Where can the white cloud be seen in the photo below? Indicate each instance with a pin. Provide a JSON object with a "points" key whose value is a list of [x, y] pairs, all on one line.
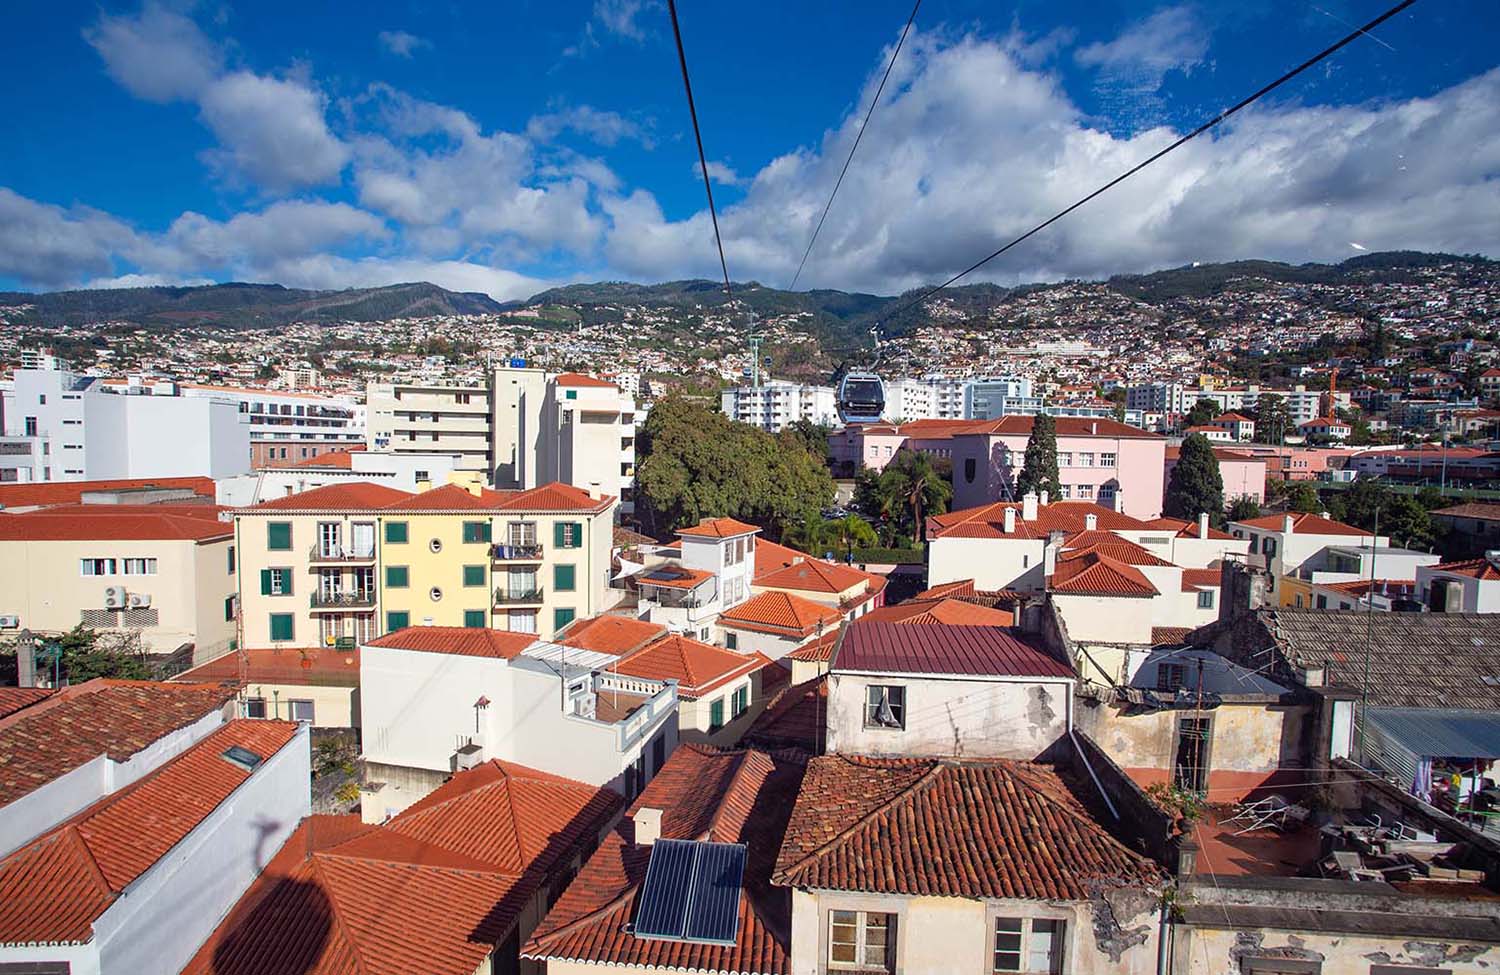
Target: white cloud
{"points": [[621, 16], [287, 228], [328, 271], [52, 246], [721, 173], [1170, 39], [272, 131], [159, 55], [604, 127], [401, 43]]}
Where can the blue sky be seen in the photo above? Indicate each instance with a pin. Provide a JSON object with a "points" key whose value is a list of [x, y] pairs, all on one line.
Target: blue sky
{"points": [[505, 147]]}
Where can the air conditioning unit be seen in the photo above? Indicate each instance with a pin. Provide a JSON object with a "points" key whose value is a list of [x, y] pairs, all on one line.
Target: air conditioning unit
{"points": [[9, 622], [139, 600], [115, 597]]}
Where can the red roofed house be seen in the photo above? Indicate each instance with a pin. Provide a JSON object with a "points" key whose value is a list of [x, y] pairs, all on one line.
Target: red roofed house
{"points": [[1327, 427], [1286, 544], [435, 699], [1240, 428], [712, 575], [775, 623], [451, 886], [136, 881], [164, 573], [1470, 586], [716, 688], [319, 685]]}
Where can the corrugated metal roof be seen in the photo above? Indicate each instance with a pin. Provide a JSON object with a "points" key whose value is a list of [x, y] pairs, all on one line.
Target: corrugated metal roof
{"points": [[940, 648], [1441, 732]]}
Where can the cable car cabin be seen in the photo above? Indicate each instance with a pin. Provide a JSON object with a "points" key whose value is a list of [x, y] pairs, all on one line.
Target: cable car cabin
{"points": [[861, 398]]}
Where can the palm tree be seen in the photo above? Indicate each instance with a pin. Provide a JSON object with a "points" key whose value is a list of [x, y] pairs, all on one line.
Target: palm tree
{"points": [[852, 532], [912, 482]]}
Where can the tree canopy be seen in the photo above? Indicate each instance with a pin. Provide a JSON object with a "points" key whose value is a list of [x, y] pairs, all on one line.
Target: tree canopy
{"points": [[1272, 419], [1202, 411], [1302, 496], [697, 463], [86, 654], [1401, 517], [1196, 485], [899, 498], [1039, 469], [1243, 508]]}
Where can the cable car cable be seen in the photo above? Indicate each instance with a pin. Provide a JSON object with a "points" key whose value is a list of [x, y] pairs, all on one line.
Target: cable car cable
{"points": [[687, 85]]}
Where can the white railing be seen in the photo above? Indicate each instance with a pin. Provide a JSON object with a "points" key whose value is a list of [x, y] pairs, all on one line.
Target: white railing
{"points": [[650, 714]]}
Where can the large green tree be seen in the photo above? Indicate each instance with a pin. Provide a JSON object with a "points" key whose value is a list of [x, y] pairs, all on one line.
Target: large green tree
{"points": [[1039, 468], [1302, 496], [1243, 508], [1272, 419], [898, 500], [1375, 507], [1202, 411], [86, 654], [1196, 485], [697, 463]]}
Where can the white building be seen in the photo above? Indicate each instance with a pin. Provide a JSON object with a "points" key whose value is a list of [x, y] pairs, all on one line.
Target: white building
{"points": [[910, 399], [985, 399], [1472, 586], [411, 472], [777, 404]]}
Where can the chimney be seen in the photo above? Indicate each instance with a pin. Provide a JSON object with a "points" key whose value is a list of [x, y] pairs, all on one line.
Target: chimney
{"points": [[1286, 524], [647, 825], [474, 488], [1028, 506], [1119, 500], [1049, 556], [1094, 427], [593, 491], [1090, 522], [1010, 521], [1203, 524], [1044, 499]]}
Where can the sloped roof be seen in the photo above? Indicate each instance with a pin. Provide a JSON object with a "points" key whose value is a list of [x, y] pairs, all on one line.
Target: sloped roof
{"points": [[1066, 426], [449, 497], [959, 587], [54, 888], [344, 496], [336, 459], [433, 891], [1469, 509], [770, 556], [1093, 574], [610, 633], [953, 612], [77, 724], [1482, 569], [813, 575], [322, 666], [144, 522], [777, 611], [1303, 523], [817, 651], [988, 520], [742, 796], [580, 379], [698, 668], [1195, 579], [794, 717], [72, 492], [13, 699], [464, 641], [938, 648], [1108, 543], [942, 828], [718, 528], [1186, 529]]}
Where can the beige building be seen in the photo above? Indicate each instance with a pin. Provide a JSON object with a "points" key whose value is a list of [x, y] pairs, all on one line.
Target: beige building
{"points": [[316, 685], [165, 571]]}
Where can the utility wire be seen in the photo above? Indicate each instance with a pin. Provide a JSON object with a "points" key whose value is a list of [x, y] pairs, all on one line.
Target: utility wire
{"points": [[687, 86], [852, 149], [1243, 103]]}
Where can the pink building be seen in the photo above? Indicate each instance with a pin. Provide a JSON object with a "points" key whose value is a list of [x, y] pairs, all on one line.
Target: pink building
{"points": [[874, 445], [1244, 474]]}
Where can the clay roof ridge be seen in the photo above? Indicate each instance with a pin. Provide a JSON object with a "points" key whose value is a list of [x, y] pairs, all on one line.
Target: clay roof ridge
{"points": [[624, 898], [510, 800], [329, 886], [744, 770]]}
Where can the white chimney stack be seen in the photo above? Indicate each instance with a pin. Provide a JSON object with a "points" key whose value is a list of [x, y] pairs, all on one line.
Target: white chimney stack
{"points": [[1044, 498], [1010, 521], [1286, 524], [647, 825], [1203, 524], [1028, 506], [1090, 522]]}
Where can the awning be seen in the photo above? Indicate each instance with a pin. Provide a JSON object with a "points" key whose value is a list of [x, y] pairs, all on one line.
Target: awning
{"points": [[1440, 732]]}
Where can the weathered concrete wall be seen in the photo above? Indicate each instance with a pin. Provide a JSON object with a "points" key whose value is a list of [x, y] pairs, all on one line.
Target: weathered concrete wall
{"points": [[1200, 951], [1106, 619]]}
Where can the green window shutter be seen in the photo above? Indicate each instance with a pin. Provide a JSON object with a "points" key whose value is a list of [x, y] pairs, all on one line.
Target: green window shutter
{"points": [[281, 626], [397, 576], [572, 394], [279, 536], [265, 582], [286, 582], [558, 534], [395, 533], [473, 575], [564, 578], [716, 715], [578, 534], [473, 531], [397, 621], [474, 618], [561, 618]]}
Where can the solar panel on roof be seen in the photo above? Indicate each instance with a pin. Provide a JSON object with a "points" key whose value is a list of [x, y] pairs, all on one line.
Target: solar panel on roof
{"points": [[692, 892]]}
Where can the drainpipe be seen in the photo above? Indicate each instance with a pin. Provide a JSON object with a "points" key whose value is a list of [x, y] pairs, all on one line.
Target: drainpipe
{"points": [[1165, 933]]}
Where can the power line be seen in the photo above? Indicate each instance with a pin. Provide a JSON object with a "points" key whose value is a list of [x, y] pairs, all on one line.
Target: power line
{"points": [[1243, 103], [708, 188], [857, 136]]}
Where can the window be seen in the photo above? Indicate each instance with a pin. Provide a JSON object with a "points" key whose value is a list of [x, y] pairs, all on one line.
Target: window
{"points": [[422, 476], [397, 577], [716, 715], [521, 621], [732, 641], [561, 618], [1169, 677], [231, 560], [739, 702], [139, 567], [969, 470], [395, 533], [1269, 548], [1106, 460], [862, 939], [567, 534], [1028, 944], [1086, 459], [1322, 602], [300, 710], [1190, 769], [281, 626], [397, 621], [255, 707], [1205, 599], [1064, 458], [476, 531], [564, 578], [885, 706], [279, 536], [474, 575], [31, 426], [276, 581], [96, 567], [572, 394], [229, 609], [475, 618]]}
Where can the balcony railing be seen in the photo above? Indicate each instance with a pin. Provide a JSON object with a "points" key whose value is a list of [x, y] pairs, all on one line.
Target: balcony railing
{"points": [[343, 600], [340, 553], [508, 597], [501, 552]]}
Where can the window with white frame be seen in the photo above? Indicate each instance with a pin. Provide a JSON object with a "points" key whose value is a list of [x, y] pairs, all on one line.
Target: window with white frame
{"points": [[96, 567], [1085, 492], [863, 940], [1065, 458], [1028, 944], [1086, 459], [139, 567], [885, 706], [1107, 460]]}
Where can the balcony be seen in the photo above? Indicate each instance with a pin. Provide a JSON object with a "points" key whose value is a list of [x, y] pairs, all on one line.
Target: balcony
{"points": [[340, 601], [516, 553], [340, 553], [508, 597]]}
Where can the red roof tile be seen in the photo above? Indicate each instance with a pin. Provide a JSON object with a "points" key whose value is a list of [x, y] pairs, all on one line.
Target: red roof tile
{"points": [[953, 612], [795, 717], [464, 641], [1473, 568], [936, 648], [770, 556], [321, 666], [988, 520], [960, 587], [817, 651], [1169, 635], [1093, 574], [101, 717], [165, 522], [718, 528], [698, 668], [1303, 523], [351, 496], [780, 612], [71, 492], [610, 634], [579, 379], [1108, 543], [434, 891], [1066, 426], [1185, 529], [55, 887], [552, 497], [13, 699], [814, 575], [336, 459], [1195, 579], [704, 794], [929, 827]]}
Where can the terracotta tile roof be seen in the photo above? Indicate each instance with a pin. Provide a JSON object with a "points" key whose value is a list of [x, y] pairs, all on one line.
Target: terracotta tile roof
{"points": [[449, 497], [930, 827], [1469, 509], [780, 612], [101, 717], [718, 528], [465, 641], [935, 648], [55, 887], [319, 666], [182, 522], [1394, 588], [960, 587], [770, 556], [1066, 426], [1482, 569], [554, 497], [1092, 574], [817, 651], [337, 459], [953, 612], [1303, 523], [13, 699], [629, 538], [579, 379], [704, 794], [351, 496], [795, 717], [1195, 579], [698, 668], [610, 634], [435, 890], [1169, 635], [71, 492], [988, 520], [1186, 529], [673, 576], [814, 575], [1108, 543]]}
